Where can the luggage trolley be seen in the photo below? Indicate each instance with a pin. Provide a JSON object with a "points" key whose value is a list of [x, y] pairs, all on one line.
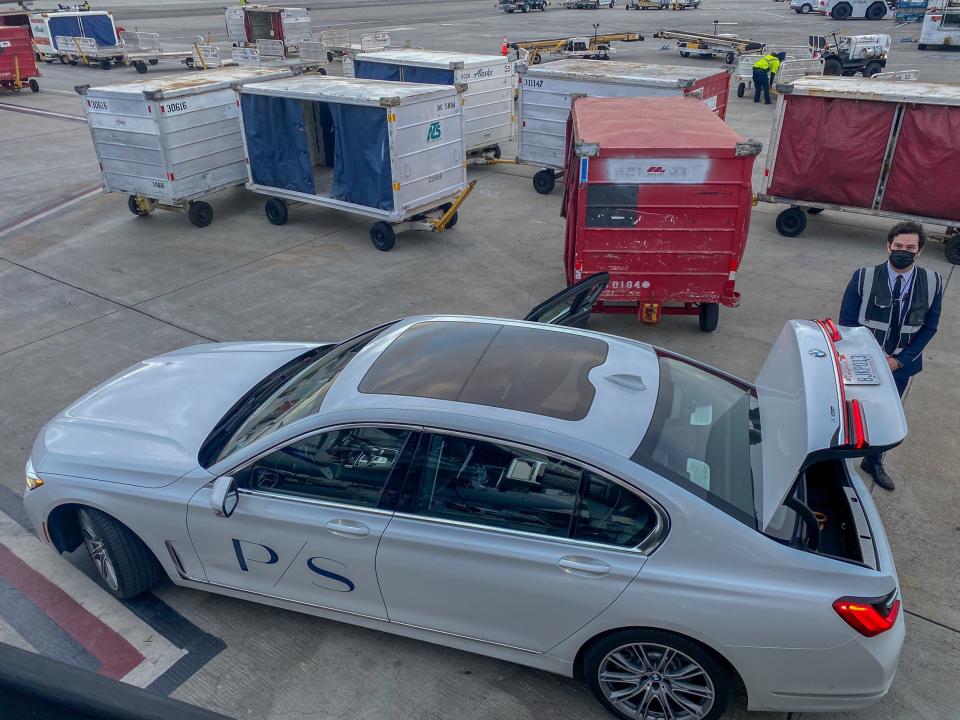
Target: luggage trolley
{"points": [[18, 66], [390, 151]]}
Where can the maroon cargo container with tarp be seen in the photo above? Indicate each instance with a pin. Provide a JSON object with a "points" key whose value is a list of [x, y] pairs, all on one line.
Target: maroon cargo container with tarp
{"points": [[888, 148], [18, 65]]}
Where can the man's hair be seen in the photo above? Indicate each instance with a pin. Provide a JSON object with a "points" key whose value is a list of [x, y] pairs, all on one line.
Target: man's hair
{"points": [[907, 227]]}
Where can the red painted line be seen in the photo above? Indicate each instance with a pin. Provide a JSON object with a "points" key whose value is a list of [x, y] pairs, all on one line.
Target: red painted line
{"points": [[117, 657]]}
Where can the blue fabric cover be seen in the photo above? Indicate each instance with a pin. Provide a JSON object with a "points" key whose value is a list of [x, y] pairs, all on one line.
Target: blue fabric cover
{"points": [[429, 76], [277, 142], [376, 70], [100, 28], [68, 26], [361, 171]]}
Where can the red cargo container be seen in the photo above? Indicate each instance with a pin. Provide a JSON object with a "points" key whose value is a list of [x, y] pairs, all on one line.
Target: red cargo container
{"points": [[658, 195], [876, 147], [18, 66]]}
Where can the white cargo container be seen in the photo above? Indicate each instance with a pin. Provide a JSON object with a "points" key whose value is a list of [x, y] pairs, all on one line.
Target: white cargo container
{"points": [[249, 23], [48, 27], [168, 142], [487, 102], [547, 91], [387, 150]]}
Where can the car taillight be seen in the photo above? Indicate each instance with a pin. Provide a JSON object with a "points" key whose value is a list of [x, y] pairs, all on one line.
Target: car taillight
{"points": [[868, 616]]}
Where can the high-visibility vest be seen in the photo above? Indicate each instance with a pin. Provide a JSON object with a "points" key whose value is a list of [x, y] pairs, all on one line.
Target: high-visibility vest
{"points": [[768, 62]]}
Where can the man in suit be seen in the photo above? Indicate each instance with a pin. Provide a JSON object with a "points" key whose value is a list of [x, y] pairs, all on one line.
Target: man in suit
{"points": [[900, 303]]}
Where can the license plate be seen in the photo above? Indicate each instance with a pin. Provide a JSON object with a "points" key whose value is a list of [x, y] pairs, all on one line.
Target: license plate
{"points": [[858, 370]]}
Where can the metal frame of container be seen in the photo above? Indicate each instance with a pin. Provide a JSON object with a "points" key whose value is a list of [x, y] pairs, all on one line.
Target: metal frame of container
{"points": [[168, 142], [432, 111], [488, 100], [18, 67], [665, 214], [294, 25], [546, 93], [44, 40], [902, 95]]}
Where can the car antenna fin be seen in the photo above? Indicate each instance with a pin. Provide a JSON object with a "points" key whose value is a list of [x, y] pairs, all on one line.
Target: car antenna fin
{"points": [[630, 382]]}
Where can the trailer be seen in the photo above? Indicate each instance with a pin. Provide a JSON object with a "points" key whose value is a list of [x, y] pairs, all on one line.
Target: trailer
{"points": [[646, 5], [487, 102], [166, 143], [885, 148], [587, 4], [523, 6], [595, 47], [47, 27], [339, 45], [666, 214], [249, 23], [139, 49], [18, 66], [941, 26], [547, 91], [386, 150], [724, 45]]}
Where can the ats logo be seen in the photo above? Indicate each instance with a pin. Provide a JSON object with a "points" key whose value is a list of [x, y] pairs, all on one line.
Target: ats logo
{"points": [[433, 133]]}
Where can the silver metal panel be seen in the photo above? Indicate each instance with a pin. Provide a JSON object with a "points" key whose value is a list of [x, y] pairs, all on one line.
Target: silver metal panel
{"points": [[349, 90], [611, 71], [441, 59], [895, 91]]}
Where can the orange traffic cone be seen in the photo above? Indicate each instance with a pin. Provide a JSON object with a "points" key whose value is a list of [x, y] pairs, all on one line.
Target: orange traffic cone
{"points": [[504, 50]]}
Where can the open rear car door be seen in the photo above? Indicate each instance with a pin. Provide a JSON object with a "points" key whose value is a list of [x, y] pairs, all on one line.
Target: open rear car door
{"points": [[572, 306], [825, 394]]}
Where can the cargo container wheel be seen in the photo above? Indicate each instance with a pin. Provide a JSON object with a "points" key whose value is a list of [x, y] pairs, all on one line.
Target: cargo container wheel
{"points": [[382, 236], [730, 58], [140, 66], [791, 222], [139, 206], [872, 68], [951, 246], [105, 64], [276, 210], [544, 181], [200, 213], [153, 61], [709, 316], [453, 218], [741, 89], [34, 85]]}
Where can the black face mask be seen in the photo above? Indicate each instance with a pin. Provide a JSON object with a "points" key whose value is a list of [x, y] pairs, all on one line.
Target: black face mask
{"points": [[902, 259]]}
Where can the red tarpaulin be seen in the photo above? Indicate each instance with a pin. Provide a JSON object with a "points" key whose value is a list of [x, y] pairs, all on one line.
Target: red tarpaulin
{"points": [[922, 178], [831, 150]]}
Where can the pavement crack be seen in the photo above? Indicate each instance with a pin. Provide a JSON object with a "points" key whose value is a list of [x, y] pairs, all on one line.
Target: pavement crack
{"points": [[933, 622]]}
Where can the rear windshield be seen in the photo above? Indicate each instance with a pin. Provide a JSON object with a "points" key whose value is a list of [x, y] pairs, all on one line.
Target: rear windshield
{"points": [[705, 437]]}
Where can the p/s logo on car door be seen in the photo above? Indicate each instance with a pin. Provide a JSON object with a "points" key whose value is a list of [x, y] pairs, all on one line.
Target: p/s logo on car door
{"points": [[330, 580]]}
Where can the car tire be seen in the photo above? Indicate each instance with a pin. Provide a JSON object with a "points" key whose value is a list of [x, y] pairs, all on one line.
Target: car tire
{"points": [[951, 248], [382, 236], [200, 213], [729, 58], [841, 11], [124, 565], [620, 650], [877, 11], [709, 316], [791, 222], [832, 66], [276, 211], [871, 69], [805, 9], [544, 181]]}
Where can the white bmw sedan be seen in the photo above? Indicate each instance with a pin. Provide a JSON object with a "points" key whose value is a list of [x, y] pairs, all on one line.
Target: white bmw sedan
{"points": [[563, 499]]}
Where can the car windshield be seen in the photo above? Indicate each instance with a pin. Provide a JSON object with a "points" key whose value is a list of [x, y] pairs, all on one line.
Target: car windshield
{"points": [[705, 437], [300, 396]]}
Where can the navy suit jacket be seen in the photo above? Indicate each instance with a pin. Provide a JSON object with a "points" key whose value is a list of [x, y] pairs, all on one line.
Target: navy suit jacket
{"points": [[912, 355]]}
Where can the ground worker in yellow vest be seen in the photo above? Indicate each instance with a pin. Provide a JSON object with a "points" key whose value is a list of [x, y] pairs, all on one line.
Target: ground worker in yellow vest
{"points": [[769, 63]]}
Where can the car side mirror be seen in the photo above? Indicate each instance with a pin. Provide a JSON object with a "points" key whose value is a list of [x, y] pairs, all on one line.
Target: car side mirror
{"points": [[225, 496]]}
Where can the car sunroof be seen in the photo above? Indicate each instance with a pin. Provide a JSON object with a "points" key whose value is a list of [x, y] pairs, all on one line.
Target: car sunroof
{"points": [[506, 366]]}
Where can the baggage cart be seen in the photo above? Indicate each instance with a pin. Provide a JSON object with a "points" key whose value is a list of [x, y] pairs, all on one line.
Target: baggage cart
{"points": [[665, 213], [339, 45], [389, 151], [18, 66], [141, 49], [272, 53], [248, 23], [169, 142], [799, 62], [48, 27], [885, 148], [487, 102], [546, 92]]}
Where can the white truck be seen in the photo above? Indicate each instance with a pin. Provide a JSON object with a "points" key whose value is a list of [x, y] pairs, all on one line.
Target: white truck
{"points": [[941, 25], [48, 27], [846, 9], [851, 54]]}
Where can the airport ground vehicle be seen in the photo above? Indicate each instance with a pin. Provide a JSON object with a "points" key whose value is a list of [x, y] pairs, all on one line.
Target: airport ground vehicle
{"points": [[18, 66], [666, 214], [941, 26], [249, 23], [887, 139], [646, 4], [851, 54], [847, 9], [512, 6], [587, 4], [725, 45], [594, 47], [539, 494], [48, 27]]}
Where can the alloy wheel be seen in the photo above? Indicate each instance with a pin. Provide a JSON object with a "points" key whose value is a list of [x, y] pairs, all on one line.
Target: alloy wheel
{"points": [[98, 551], [648, 681]]}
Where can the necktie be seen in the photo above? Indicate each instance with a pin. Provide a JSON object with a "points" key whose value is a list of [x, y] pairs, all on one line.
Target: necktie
{"points": [[893, 334]]}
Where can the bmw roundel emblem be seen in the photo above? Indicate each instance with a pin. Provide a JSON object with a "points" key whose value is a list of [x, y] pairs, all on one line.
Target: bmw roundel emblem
{"points": [[818, 353]]}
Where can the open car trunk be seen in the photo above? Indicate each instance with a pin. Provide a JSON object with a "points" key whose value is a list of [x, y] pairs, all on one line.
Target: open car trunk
{"points": [[825, 395]]}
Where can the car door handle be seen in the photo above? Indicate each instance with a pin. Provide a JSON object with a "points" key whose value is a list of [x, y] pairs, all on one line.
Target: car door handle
{"points": [[348, 528], [583, 565]]}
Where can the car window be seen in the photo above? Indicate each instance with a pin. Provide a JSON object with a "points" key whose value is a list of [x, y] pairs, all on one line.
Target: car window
{"points": [[350, 466], [609, 513], [487, 483], [490, 484], [705, 436]]}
